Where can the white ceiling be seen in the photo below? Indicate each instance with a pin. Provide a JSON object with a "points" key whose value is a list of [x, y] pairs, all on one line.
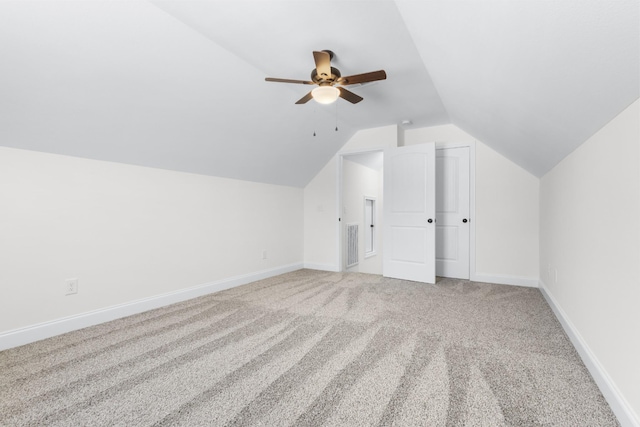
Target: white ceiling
{"points": [[180, 84]]}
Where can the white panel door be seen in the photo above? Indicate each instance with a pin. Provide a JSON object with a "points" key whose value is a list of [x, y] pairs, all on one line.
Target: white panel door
{"points": [[452, 212], [409, 213]]}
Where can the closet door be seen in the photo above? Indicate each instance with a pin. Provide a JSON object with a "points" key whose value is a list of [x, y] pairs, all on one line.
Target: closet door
{"points": [[452, 212], [409, 213]]}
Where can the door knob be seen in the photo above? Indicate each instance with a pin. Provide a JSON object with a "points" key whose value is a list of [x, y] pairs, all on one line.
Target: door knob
{"points": [[464, 220], [429, 220]]}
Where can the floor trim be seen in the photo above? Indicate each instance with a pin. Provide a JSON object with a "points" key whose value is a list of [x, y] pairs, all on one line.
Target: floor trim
{"points": [[322, 267], [506, 280], [615, 399], [55, 327]]}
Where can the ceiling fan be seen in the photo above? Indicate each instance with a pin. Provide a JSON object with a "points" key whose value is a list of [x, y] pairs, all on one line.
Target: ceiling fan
{"points": [[330, 82]]}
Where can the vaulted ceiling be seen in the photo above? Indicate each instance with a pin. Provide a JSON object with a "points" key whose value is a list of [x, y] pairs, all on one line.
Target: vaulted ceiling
{"points": [[180, 84]]}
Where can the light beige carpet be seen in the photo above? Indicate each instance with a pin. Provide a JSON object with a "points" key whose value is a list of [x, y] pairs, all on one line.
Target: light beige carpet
{"points": [[313, 348]]}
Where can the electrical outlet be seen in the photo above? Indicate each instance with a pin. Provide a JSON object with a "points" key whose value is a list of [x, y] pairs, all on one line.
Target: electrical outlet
{"points": [[71, 286], [264, 254]]}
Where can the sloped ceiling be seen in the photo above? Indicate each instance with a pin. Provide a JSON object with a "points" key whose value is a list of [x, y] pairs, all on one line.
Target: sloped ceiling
{"points": [[532, 79], [180, 84]]}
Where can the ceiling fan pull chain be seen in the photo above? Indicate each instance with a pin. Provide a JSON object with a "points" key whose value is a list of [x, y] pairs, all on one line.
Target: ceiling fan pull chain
{"points": [[314, 121], [336, 117]]}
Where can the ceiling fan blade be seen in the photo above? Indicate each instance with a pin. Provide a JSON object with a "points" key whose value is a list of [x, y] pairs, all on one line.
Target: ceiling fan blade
{"points": [[323, 64], [362, 78], [305, 99], [301, 82], [349, 96]]}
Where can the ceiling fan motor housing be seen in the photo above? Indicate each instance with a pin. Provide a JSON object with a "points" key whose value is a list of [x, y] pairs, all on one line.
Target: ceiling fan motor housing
{"points": [[324, 79]]}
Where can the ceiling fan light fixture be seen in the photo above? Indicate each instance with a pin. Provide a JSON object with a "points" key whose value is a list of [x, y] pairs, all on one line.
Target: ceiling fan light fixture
{"points": [[325, 94]]}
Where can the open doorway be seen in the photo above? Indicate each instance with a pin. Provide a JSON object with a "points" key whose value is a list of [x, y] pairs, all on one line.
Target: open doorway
{"points": [[361, 201]]}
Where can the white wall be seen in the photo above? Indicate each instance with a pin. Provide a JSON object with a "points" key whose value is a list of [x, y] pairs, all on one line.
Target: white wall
{"points": [[506, 217], [321, 214], [442, 133], [321, 219], [590, 235], [128, 232], [360, 181]]}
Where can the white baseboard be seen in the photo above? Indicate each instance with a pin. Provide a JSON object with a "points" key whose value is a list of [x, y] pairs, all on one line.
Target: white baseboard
{"points": [[615, 399], [505, 280], [323, 267], [52, 328], [486, 278]]}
